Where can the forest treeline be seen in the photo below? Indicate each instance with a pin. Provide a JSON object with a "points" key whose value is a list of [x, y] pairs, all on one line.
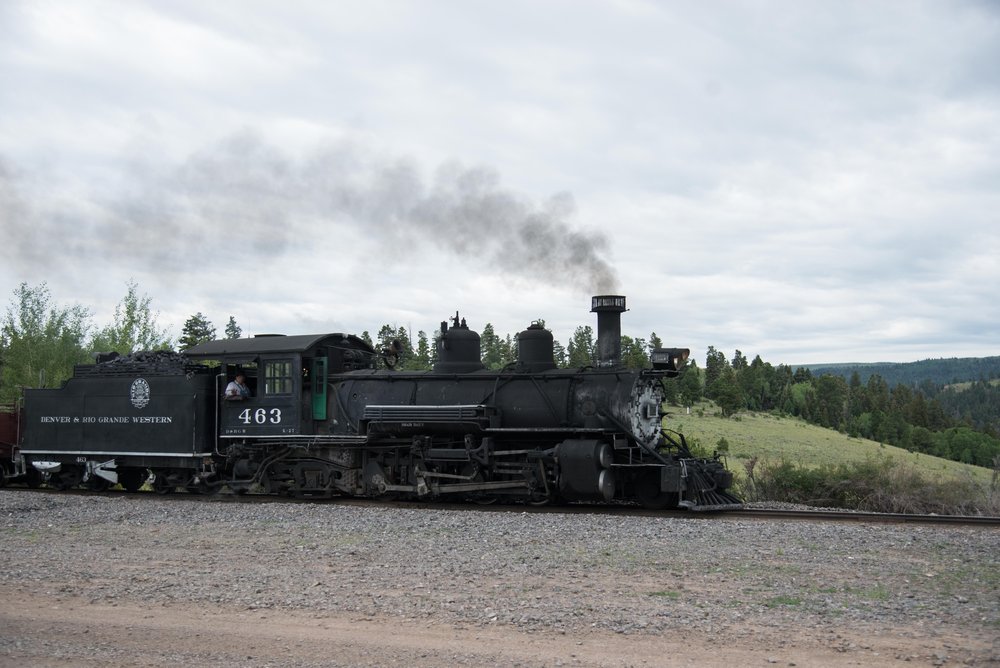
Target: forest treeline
{"points": [[954, 422], [936, 372], [954, 413]]}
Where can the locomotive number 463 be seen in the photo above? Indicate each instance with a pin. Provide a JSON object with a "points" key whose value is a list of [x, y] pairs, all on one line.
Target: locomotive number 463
{"points": [[261, 416]]}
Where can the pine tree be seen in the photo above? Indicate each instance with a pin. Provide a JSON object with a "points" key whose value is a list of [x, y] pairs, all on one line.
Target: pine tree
{"points": [[634, 353], [726, 392], [406, 356], [508, 350], [422, 358], [581, 347], [491, 348], [559, 354], [197, 329], [690, 383], [233, 331], [715, 364]]}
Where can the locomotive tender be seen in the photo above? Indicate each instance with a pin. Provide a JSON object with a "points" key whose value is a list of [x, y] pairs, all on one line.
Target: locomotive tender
{"points": [[325, 418]]}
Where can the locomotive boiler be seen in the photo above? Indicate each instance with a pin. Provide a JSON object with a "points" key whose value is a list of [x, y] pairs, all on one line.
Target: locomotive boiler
{"points": [[329, 415]]}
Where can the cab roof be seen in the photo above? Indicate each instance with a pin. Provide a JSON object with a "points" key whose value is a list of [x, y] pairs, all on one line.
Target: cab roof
{"points": [[273, 343]]}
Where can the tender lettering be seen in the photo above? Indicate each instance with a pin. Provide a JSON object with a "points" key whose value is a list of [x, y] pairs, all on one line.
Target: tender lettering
{"points": [[109, 419], [152, 420]]}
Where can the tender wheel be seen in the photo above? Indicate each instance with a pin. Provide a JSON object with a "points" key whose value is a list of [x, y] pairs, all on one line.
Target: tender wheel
{"points": [[33, 478], [59, 483], [68, 478], [131, 479], [97, 484]]}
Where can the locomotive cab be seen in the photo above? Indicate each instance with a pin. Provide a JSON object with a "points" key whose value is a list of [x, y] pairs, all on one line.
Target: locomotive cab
{"points": [[287, 378]]}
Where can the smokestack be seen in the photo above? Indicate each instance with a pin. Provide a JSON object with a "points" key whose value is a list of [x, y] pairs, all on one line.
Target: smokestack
{"points": [[609, 309]]}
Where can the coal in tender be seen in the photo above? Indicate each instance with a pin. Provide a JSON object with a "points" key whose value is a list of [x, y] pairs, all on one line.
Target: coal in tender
{"points": [[158, 362]]}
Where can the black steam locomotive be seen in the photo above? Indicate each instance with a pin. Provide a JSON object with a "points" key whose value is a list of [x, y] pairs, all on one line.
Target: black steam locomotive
{"points": [[327, 415]]}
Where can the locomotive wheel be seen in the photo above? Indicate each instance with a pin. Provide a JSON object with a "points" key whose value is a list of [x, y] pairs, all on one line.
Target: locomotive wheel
{"points": [[161, 482], [33, 479], [480, 498], [204, 488], [96, 483], [540, 498], [131, 479], [649, 495]]}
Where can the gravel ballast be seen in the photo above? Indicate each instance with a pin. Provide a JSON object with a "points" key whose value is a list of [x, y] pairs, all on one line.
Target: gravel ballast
{"points": [[725, 578]]}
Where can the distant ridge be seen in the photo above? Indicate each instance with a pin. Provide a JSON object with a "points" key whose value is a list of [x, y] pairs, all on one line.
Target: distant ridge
{"points": [[941, 371]]}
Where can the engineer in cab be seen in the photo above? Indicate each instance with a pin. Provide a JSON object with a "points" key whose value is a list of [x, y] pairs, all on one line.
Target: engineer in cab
{"points": [[237, 389]]}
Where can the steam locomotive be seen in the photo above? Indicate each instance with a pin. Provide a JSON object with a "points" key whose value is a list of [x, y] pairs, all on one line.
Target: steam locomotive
{"points": [[329, 415]]}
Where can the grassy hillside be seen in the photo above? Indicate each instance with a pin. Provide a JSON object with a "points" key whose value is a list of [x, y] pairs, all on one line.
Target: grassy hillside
{"points": [[962, 387], [773, 438]]}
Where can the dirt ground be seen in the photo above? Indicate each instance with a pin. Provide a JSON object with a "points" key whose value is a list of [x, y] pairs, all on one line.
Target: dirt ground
{"points": [[39, 630], [146, 581]]}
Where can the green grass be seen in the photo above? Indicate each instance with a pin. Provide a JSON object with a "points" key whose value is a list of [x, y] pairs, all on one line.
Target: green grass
{"points": [[772, 438], [673, 595], [775, 458], [962, 387]]}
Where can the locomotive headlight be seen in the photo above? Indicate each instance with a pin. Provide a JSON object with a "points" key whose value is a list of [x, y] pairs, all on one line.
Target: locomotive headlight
{"points": [[659, 358], [669, 359]]}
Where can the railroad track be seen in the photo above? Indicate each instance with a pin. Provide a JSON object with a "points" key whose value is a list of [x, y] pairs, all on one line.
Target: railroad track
{"points": [[852, 516], [620, 510]]}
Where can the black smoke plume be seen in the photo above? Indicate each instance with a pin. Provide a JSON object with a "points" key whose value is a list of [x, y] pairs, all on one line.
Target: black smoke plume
{"points": [[250, 197]]}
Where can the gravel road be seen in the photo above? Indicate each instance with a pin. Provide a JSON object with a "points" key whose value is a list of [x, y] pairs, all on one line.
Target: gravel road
{"points": [[145, 580]]}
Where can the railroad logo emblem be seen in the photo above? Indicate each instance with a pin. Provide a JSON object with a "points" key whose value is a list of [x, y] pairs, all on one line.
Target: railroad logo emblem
{"points": [[139, 394]]}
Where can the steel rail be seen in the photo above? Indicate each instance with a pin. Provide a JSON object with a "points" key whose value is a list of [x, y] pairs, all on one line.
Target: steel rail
{"points": [[619, 510], [859, 516]]}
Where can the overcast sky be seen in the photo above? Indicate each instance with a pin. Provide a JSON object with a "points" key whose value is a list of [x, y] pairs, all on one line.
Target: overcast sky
{"points": [[807, 181]]}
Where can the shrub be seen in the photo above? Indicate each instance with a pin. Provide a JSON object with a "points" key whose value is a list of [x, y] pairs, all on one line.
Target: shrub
{"points": [[874, 485]]}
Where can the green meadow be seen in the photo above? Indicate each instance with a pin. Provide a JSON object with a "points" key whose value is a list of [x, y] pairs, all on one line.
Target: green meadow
{"points": [[773, 438]]}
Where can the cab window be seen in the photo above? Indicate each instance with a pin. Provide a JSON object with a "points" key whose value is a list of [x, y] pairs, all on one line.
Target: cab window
{"points": [[278, 377]]}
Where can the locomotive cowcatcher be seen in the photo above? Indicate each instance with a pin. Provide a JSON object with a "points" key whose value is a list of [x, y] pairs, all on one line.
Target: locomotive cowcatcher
{"points": [[328, 415]]}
